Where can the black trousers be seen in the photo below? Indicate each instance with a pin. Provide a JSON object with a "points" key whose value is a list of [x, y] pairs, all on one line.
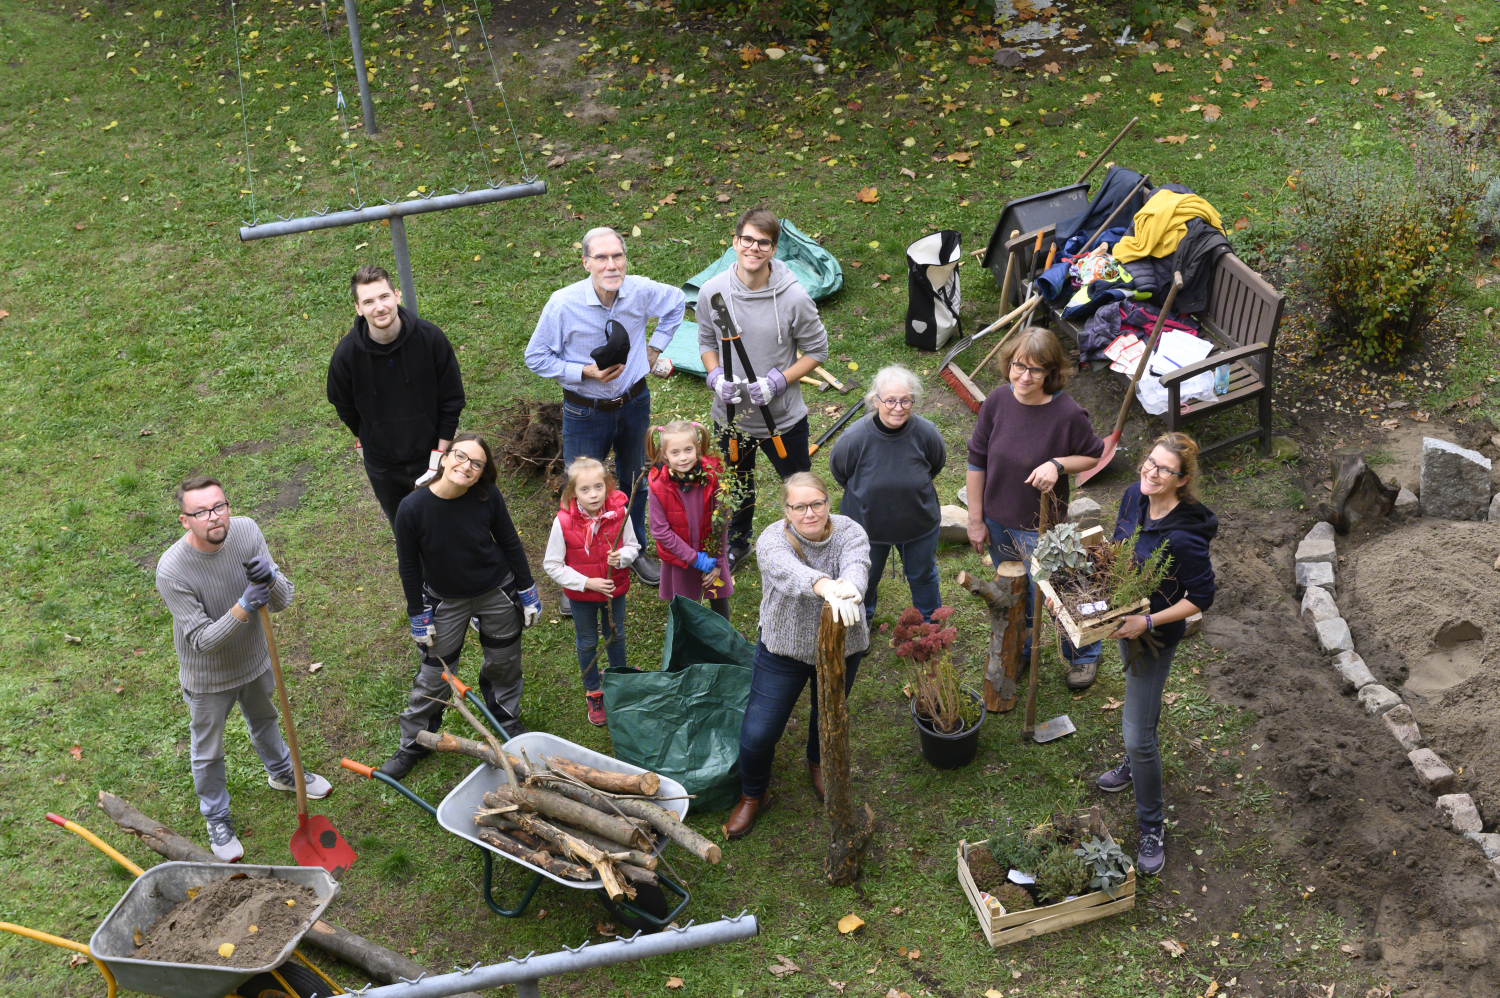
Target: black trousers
{"points": [[797, 459], [393, 484]]}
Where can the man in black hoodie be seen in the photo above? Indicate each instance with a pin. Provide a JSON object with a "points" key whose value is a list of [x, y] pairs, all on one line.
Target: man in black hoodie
{"points": [[395, 383]]}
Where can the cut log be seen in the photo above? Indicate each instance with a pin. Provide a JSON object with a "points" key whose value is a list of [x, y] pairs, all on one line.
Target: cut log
{"points": [[851, 830], [552, 865], [1360, 498], [557, 806], [638, 875], [658, 817], [603, 779], [380, 963], [1005, 600], [636, 856], [444, 742], [575, 848]]}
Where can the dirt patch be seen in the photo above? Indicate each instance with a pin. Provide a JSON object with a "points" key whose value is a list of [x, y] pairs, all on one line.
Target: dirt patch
{"points": [[257, 917], [532, 435], [287, 496]]}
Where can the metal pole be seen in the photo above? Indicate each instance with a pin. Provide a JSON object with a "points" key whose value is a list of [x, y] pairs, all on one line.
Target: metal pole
{"points": [[359, 66], [398, 209], [403, 264], [528, 970], [528, 989]]}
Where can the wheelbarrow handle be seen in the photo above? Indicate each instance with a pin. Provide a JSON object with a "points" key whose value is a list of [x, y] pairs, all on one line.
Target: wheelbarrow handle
{"points": [[375, 774], [94, 841], [59, 941]]}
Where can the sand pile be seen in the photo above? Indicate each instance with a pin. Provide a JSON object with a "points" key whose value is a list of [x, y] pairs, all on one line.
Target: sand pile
{"points": [[256, 917]]}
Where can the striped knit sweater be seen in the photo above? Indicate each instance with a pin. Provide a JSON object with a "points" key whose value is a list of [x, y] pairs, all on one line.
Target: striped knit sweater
{"points": [[216, 652], [789, 610]]}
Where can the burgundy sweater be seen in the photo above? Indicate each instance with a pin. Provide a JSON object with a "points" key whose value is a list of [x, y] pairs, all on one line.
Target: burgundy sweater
{"points": [[1011, 439]]}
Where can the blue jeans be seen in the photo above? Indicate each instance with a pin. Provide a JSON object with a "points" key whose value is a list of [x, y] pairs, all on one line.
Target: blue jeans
{"points": [[918, 562], [592, 433], [1138, 726], [775, 687], [1016, 545], [588, 617]]}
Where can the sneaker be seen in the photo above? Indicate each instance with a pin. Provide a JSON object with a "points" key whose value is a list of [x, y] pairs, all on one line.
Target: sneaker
{"points": [[647, 569], [512, 726], [1081, 675], [1152, 854], [1116, 779], [737, 554], [317, 787], [564, 606], [400, 763], [595, 703], [225, 845]]}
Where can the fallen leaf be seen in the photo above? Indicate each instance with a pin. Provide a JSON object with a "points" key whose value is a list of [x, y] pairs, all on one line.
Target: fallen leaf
{"points": [[145, 431], [1266, 84], [722, 198], [961, 158], [915, 954], [1162, 67], [428, 106], [994, 993], [838, 986], [138, 937], [884, 277], [1417, 71], [751, 54], [80, 226], [1173, 947], [226, 950], [1170, 698], [1088, 99], [783, 966], [893, 993], [1242, 223], [605, 928], [1353, 81], [896, 911], [1420, 417], [867, 195], [1175, 140], [1484, 39], [1382, 91], [77, 960], [673, 983], [1226, 64], [1051, 69], [1110, 703], [1212, 36], [76, 752], [119, 689], [1155, 99], [1252, 102], [1172, 43], [556, 161], [1213, 989], [315, 667], [901, 951], [1211, 112], [72, 639], [849, 923], [1353, 951], [1313, 120], [624, 185]]}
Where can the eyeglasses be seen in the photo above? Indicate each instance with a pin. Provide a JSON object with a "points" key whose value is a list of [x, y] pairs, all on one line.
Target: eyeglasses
{"points": [[895, 403], [1019, 368], [203, 514], [460, 459], [1150, 467], [615, 258], [748, 243], [801, 508]]}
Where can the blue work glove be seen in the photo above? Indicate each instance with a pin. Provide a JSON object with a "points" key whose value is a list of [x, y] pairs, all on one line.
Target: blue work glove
{"points": [[422, 631], [531, 606], [704, 562], [727, 391], [260, 569], [768, 386], [256, 595]]}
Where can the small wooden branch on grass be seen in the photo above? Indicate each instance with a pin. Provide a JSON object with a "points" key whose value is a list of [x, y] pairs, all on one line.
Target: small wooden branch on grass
{"points": [[852, 830], [1005, 600]]}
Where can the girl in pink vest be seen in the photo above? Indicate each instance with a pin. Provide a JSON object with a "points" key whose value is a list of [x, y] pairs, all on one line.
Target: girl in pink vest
{"points": [[684, 496], [589, 554]]}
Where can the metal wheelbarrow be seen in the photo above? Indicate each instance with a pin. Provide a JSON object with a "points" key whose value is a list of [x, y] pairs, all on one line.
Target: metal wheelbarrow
{"points": [[456, 814]]}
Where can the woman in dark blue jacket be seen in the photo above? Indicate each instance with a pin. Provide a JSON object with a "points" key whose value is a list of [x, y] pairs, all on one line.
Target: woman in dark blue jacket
{"points": [[1164, 504]]}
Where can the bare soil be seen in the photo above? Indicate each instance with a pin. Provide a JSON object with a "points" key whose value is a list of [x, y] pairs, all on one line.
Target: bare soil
{"points": [[256, 916]]}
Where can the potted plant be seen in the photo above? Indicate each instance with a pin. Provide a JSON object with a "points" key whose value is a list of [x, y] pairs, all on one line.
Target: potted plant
{"points": [[947, 714]]}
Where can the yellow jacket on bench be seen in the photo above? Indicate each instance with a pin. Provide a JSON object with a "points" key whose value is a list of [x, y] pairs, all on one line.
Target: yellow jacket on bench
{"points": [[1161, 224]]}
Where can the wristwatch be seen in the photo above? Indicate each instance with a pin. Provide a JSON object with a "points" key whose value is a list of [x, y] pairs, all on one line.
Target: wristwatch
{"points": [[1061, 471]]}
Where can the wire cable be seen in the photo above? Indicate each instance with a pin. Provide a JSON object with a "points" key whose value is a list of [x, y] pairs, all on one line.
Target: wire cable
{"points": [[338, 89], [464, 82], [526, 175], [234, 20]]}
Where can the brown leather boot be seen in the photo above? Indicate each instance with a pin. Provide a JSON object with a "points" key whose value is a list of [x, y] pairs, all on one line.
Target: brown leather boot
{"points": [[815, 770], [742, 818]]}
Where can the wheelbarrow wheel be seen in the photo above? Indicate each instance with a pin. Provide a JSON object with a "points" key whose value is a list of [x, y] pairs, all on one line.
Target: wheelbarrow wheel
{"points": [[303, 981], [649, 898]]}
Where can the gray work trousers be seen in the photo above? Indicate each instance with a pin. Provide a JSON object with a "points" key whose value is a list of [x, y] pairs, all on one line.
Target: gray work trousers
{"points": [[499, 676], [1138, 723], [210, 712]]}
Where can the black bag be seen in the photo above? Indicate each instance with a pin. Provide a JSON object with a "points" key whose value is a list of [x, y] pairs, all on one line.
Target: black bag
{"points": [[615, 349], [932, 290]]}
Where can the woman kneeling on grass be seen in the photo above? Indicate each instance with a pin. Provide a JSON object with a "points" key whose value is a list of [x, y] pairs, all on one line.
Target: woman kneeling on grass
{"points": [[808, 559], [1165, 508]]}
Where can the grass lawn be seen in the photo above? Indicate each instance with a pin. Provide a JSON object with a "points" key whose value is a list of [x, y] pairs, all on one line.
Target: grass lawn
{"points": [[144, 341]]}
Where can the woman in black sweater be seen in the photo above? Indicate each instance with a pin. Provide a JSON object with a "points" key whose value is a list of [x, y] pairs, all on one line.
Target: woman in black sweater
{"points": [[460, 558]]}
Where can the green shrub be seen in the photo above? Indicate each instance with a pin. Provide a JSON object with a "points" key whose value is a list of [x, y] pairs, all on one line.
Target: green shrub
{"points": [[1386, 233], [852, 25]]}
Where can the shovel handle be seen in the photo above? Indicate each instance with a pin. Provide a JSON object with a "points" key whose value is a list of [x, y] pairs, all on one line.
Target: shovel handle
{"points": [[286, 713], [1140, 369], [358, 767], [1094, 165], [1100, 230]]}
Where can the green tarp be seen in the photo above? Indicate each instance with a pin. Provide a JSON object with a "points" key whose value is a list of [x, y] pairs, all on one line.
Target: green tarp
{"points": [[684, 721], [815, 268]]}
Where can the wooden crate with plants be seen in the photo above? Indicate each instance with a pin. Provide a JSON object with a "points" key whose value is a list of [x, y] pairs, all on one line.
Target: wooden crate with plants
{"points": [[1078, 874], [1089, 583]]}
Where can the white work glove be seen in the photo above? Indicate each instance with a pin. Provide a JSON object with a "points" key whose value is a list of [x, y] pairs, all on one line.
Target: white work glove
{"points": [[531, 606], [359, 451], [846, 611], [433, 461], [843, 590]]}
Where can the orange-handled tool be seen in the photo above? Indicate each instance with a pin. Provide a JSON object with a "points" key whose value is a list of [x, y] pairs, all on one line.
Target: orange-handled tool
{"points": [[95, 841], [358, 767], [733, 333]]}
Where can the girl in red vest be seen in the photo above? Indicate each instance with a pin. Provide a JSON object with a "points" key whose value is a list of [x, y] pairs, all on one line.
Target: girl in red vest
{"points": [[589, 554], [684, 484]]}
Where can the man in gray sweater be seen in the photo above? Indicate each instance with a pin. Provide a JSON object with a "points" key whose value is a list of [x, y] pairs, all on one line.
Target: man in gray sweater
{"points": [[776, 319], [215, 579]]}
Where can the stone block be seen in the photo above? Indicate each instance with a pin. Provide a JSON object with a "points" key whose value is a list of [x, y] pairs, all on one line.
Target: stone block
{"points": [[1194, 624], [1317, 545], [1317, 605], [1334, 636], [1457, 811], [1377, 700], [1403, 726], [954, 527], [963, 495], [1316, 573], [1455, 481], [1488, 841], [1495, 508], [1354, 671], [1407, 505], [1086, 513], [1495, 867], [1432, 771]]}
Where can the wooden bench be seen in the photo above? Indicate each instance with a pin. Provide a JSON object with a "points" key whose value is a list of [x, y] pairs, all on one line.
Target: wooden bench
{"points": [[1242, 319]]}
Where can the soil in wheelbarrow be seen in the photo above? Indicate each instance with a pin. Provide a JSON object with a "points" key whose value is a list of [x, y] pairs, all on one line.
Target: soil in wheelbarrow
{"points": [[256, 916]]}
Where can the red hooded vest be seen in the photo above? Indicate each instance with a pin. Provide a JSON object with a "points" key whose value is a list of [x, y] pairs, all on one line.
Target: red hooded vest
{"points": [[670, 496], [591, 556]]}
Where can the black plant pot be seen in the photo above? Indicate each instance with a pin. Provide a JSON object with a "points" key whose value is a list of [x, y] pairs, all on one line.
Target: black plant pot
{"points": [[943, 751]]}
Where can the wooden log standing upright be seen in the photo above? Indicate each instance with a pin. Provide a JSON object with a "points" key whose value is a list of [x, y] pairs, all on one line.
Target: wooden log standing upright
{"points": [[1005, 599], [851, 830]]}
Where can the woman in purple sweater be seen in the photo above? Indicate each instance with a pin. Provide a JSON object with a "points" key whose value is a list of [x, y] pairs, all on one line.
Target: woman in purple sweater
{"points": [[1031, 435]]}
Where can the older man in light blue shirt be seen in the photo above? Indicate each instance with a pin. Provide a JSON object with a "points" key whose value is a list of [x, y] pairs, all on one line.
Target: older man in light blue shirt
{"points": [[607, 408]]}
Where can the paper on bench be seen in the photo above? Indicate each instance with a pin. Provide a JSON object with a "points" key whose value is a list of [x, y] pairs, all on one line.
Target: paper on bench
{"points": [[1178, 349]]}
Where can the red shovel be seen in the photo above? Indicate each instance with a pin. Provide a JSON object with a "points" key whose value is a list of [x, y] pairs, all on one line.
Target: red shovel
{"points": [[315, 842], [1113, 440]]}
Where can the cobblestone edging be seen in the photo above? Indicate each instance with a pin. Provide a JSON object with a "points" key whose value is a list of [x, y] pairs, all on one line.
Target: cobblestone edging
{"points": [[1317, 568]]}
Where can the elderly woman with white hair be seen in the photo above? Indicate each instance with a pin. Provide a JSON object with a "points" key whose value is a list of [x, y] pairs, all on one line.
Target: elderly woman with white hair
{"points": [[886, 465]]}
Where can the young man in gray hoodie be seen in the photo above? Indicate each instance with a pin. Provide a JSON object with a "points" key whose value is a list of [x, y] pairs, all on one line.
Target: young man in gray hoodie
{"points": [[776, 319]]}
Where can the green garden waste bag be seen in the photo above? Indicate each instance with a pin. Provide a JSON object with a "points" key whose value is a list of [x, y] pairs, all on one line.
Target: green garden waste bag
{"points": [[684, 721]]}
